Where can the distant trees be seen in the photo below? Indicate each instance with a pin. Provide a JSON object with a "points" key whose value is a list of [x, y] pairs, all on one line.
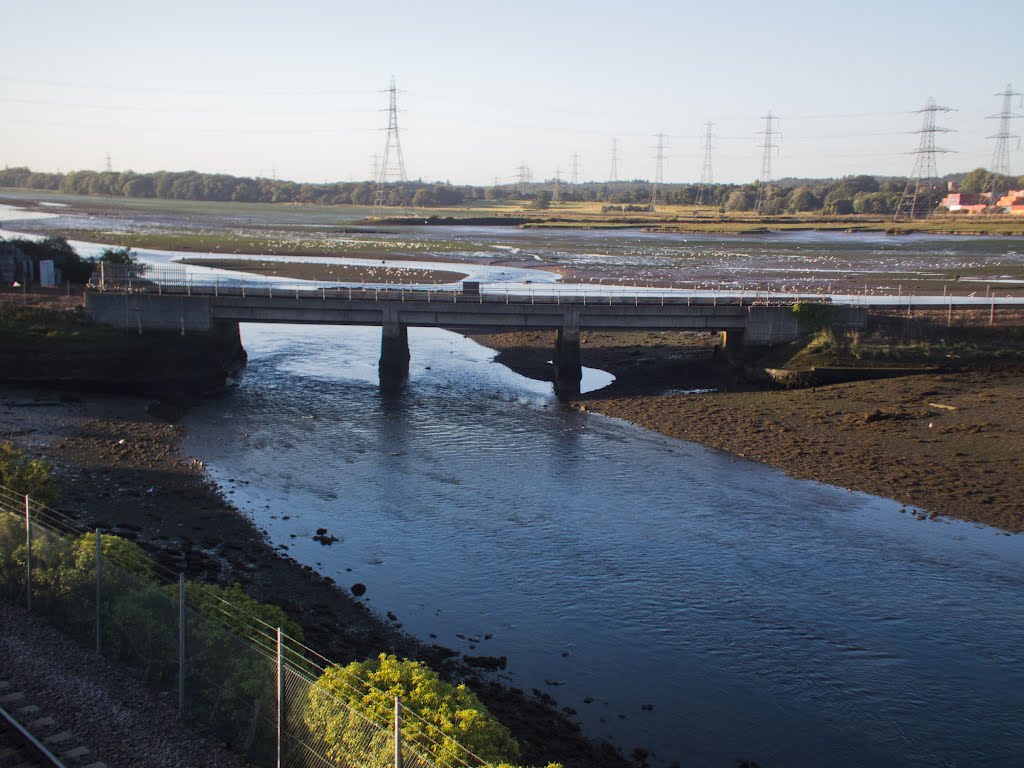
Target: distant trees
{"points": [[860, 193], [541, 200], [803, 199], [741, 199]]}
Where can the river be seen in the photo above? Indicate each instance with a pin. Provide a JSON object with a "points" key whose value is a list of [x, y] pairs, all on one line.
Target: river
{"points": [[679, 599]]}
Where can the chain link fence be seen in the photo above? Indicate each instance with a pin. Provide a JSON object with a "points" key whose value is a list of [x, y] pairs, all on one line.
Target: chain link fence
{"points": [[250, 684]]}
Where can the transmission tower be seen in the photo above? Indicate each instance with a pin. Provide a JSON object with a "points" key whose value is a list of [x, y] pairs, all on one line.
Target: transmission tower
{"points": [[523, 177], [764, 185], [110, 168], [1001, 153], [557, 195], [577, 168], [392, 167], [924, 161], [706, 176], [614, 175], [376, 166], [659, 170]]}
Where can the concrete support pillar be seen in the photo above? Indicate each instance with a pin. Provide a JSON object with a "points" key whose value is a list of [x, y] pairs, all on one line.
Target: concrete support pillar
{"points": [[568, 365], [732, 346], [394, 353]]}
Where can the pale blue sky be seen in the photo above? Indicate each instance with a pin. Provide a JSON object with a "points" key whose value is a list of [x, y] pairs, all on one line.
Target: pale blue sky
{"points": [[252, 88]]}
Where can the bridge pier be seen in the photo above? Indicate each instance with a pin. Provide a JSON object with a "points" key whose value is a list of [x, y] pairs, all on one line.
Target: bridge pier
{"points": [[394, 354], [568, 363]]}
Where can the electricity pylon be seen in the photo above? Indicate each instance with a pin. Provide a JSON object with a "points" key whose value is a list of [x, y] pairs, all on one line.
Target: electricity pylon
{"points": [[706, 176], [392, 167], [764, 186], [924, 161], [1000, 167], [659, 169]]}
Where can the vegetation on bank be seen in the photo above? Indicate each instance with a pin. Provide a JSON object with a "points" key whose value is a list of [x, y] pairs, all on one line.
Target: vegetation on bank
{"points": [[21, 324], [73, 268], [445, 719], [879, 346], [25, 475], [228, 684]]}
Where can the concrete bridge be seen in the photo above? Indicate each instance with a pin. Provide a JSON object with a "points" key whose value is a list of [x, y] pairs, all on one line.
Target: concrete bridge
{"points": [[201, 309]]}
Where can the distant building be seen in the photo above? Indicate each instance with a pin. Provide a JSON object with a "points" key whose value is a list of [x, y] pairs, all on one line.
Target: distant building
{"points": [[1012, 202], [965, 202], [15, 266]]}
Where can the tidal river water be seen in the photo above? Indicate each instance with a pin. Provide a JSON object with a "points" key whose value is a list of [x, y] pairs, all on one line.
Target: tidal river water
{"points": [[681, 600]]}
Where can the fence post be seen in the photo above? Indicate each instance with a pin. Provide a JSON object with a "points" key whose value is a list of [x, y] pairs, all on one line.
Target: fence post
{"points": [[398, 734], [103, 274], [28, 549], [280, 702], [99, 581], [181, 643]]}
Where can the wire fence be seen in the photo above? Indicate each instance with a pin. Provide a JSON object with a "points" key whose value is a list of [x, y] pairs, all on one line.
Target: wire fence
{"points": [[251, 685]]}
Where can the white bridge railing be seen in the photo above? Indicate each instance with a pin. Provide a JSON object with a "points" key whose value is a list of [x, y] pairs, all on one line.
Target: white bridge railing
{"points": [[177, 280]]}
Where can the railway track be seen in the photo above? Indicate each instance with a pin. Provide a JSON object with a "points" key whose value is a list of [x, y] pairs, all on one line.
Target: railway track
{"points": [[30, 739]]}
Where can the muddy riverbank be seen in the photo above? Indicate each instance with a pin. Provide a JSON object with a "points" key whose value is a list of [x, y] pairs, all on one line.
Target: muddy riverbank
{"points": [[120, 467], [942, 444]]}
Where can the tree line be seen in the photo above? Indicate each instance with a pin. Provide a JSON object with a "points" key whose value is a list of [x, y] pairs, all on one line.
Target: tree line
{"points": [[849, 194]]}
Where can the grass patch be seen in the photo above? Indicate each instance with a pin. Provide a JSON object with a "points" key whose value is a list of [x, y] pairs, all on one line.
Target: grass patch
{"points": [[879, 348], [21, 322]]}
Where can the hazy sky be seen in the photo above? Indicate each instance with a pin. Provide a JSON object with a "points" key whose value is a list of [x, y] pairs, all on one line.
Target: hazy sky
{"points": [[295, 88]]}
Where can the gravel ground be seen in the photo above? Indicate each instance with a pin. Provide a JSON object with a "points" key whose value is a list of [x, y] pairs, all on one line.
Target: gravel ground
{"points": [[122, 722]]}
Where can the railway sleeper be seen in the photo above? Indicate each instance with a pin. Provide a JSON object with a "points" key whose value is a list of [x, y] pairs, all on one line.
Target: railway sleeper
{"points": [[45, 743]]}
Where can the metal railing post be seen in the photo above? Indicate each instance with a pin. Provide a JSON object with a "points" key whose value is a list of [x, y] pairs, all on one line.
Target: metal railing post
{"points": [[99, 581], [398, 734], [181, 643], [280, 702], [28, 550]]}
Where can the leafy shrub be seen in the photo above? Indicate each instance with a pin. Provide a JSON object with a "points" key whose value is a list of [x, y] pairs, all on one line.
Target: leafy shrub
{"points": [[814, 315], [56, 249], [26, 476], [121, 256], [347, 697]]}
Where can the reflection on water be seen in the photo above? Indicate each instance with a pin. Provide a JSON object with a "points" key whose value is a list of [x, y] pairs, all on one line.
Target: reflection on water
{"points": [[681, 600]]}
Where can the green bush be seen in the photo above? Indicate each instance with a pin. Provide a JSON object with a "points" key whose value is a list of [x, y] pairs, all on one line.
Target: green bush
{"points": [[347, 697], [814, 315], [23, 475], [121, 256]]}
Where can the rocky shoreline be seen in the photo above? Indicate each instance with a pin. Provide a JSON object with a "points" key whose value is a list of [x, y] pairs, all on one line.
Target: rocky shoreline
{"points": [[120, 467]]}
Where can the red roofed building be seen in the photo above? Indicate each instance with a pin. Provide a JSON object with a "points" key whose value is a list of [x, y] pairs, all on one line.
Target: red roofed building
{"points": [[965, 202], [1013, 202]]}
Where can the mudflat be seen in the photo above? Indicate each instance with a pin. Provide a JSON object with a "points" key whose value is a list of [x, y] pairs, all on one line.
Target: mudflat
{"points": [[943, 444]]}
